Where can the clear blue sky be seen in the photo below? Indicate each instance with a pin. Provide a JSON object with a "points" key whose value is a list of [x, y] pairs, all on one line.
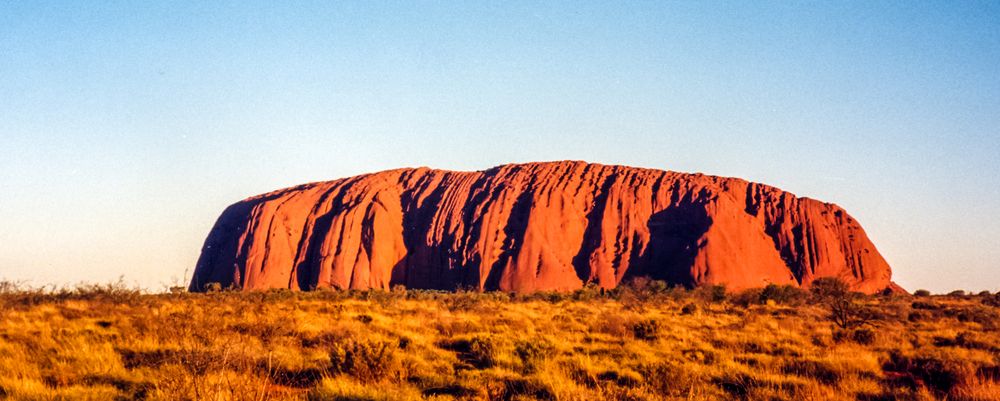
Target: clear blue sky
{"points": [[127, 127]]}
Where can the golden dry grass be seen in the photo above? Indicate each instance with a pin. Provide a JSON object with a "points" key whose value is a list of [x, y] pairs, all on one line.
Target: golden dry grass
{"points": [[645, 343]]}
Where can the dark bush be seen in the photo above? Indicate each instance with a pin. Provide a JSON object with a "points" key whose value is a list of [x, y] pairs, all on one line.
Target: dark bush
{"points": [[939, 375], [921, 293], [917, 316], [295, 377], [658, 287], [194, 361], [987, 317], [819, 370], [518, 389], [974, 340], [783, 294], [642, 289], [747, 297], [704, 356], [993, 300], [324, 339], [863, 336], [739, 385], [136, 390], [648, 330], [625, 379], [588, 292], [957, 293], [711, 293], [689, 309], [966, 339]]}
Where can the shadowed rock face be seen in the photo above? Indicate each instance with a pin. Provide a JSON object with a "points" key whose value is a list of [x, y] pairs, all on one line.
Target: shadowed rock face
{"points": [[536, 226]]}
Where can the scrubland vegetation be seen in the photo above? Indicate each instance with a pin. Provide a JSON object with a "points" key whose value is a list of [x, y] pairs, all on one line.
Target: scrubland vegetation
{"points": [[641, 342]]}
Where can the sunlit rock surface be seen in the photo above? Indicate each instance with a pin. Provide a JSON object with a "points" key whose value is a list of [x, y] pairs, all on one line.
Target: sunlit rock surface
{"points": [[531, 227]]}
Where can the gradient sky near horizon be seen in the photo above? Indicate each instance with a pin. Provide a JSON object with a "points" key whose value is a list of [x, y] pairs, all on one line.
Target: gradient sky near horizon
{"points": [[127, 127]]}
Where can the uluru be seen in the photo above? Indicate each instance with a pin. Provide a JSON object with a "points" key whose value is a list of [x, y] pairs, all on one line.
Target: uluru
{"points": [[549, 226]]}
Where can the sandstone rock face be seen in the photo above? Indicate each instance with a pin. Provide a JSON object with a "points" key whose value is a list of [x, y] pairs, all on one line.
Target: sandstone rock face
{"points": [[531, 227]]}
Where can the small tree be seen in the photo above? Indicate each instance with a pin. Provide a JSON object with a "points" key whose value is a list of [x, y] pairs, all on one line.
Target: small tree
{"points": [[847, 308], [849, 312], [825, 288]]}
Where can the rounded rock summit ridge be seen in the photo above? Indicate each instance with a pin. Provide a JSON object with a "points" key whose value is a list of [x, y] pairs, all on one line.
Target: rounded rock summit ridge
{"points": [[551, 226]]}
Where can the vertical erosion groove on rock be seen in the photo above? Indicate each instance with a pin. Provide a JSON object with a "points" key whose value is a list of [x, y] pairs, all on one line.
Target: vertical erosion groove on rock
{"points": [[534, 227]]}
